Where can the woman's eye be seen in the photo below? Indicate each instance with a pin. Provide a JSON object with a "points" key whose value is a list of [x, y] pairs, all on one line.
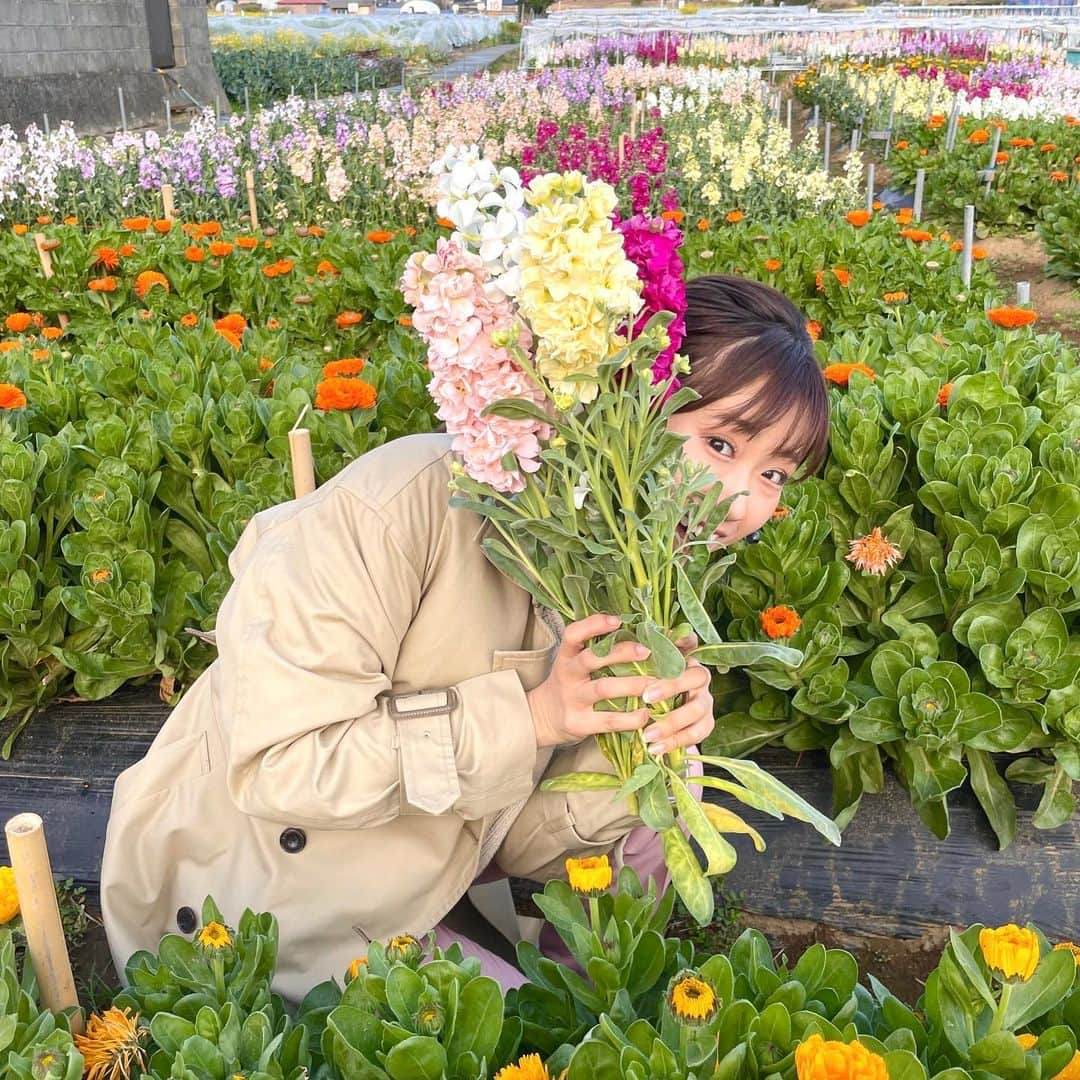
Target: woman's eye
{"points": [[722, 447], [776, 476]]}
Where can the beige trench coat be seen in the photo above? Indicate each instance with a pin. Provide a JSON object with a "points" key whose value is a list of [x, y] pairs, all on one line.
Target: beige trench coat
{"points": [[301, 774]]}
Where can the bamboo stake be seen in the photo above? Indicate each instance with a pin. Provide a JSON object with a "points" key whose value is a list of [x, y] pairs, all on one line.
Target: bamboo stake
{"points": [[45, 258], [41, 915], [167, 201], [303, 464], [253, 210]]}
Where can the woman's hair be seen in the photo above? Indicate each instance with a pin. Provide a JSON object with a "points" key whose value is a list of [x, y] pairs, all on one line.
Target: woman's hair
{"points": [[740, 334]]}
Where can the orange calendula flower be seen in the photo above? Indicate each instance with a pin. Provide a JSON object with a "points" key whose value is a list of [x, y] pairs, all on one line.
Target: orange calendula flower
{"points": [[8, 346], [840, 374], [349, 318], [904, 215], [978, 253], [11, 397], [841, 275], [18, 321], [1047, 147], [814, 328], [71, 220], [772, 265], [944, 394], [194, 254], [112, 1046], [780, 621], [207, 228], [858, 218], [903, 144], [404, 320], [163, 225], [732, 217], [44, 219], [979, 136], [898, 297], [220, 248], [231, 328], [1011, 317], [703, 224], [344, 394], [337, 369], [1001, 158], [818, 1059], [1021, 142], [316, 231], [673, 215], [446, 223], [1027, 1040], [410, 231], [150, 279], [1072, 1070], [1010, 952], [265, 363], [189, 320], [19, 229], [781, 512], [102, 284], [326, 269], [529, 1067], [380, 236], [136, 224], [273, 324], [877, 205], [107, 258], [874, 553], [99, 577], [248, 243], [52, 333], [916, 236], [1059, 177]]}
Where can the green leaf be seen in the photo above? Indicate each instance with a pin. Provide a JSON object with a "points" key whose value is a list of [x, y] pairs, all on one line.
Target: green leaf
{"points": [[693, 887], [419, 1057], [724, 820], [904, 1065], [970, 967], [1052, 980], [719, 854], [732, 654], [667, 661], [694, 610], [582, 781], [479, 1019], [993, 794]]}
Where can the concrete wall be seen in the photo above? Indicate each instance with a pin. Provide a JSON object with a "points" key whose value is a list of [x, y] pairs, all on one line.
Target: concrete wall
{"points": [[67, 58]]}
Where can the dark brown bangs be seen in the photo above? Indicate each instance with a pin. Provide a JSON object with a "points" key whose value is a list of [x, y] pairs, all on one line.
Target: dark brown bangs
{"points": [[744, 337]]}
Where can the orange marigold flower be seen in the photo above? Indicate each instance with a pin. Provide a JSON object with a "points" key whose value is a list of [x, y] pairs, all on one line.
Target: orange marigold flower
{"points": [[733, 216], [446, 223], [220, 248], [772, 265], [898, 297], [703, 224], [327, 268], [1047, 147], [18, 322], [380, 236], [19, 229], [1021, 142], [71, 220], [904, 215], [1001, 158], [247, 242], [136, 224], [858, 218], [273, 324], [189, 320], [673, 215], [813, 328], [903, 144], [11, 397], [344, 394], [404, 320], [52, 333], [349, 318], [102, 284], [147, 280], [107, 257], [780, 622], [163, 225], [1058, 177], [917, 236], [979, 136], [1011, 317], [194, 254], [944, 394], [339, 369], [874, 553], [840, 374]]}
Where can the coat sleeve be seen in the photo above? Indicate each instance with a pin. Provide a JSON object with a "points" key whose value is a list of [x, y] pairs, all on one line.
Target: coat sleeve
{"points": [[308, 639], [556, 825]]}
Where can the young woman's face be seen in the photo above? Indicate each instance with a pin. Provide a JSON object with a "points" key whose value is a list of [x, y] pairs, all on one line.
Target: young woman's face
{"points": [[752, 468]]}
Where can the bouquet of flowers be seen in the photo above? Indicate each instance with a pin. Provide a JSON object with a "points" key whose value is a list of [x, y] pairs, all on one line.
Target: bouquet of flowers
{"points": [[553, 330]]}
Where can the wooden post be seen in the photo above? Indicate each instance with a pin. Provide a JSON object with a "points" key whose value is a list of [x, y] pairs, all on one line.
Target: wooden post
{"points": [[870, 188], [303, 465], [253, 210], [622, 148], [45, 258], [969, 242], [920, 184], [167, 202], [41, 915]]}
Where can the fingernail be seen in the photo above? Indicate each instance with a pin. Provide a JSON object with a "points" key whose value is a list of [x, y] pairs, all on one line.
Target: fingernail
{"points": [[641, 652], [656, 749], [613, 620], [650, 735], [651, 695]]}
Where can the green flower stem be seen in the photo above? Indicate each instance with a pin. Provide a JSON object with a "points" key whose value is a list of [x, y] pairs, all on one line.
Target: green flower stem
{"points": [[594, 916], [218, 964], [1003, 1005]]}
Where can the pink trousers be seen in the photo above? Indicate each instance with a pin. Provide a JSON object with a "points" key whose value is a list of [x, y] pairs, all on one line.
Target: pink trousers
{"points": [[643, 850]]}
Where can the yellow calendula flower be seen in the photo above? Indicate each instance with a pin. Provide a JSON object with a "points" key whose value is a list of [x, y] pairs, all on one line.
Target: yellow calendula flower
{"points": [[818, 1059], [590, 876], [214, 936], [9, 896], [358, 965], [1027, 1040], [691, 999], [530, 1067], [1010, 952], [1074, 949], [1072, 1070], [112, 1046]]}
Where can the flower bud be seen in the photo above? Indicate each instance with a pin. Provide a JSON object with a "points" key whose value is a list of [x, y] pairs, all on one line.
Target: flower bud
{"points": [[48, 1064], [430, 1019], [404, 949]]}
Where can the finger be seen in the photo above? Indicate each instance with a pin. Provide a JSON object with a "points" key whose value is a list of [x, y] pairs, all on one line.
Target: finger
{"points": [[691, 680], [669, 730], [689, 735], [599, 722], [624, 652], [613, 687], [578, 633]]}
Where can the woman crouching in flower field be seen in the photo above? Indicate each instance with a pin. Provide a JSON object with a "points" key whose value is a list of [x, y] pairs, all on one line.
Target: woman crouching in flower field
{"points": [[404, 704]]}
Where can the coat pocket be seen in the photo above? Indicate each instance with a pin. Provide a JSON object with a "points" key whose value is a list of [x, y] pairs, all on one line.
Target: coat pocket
{"points": [[532, 665], [163, 768]]}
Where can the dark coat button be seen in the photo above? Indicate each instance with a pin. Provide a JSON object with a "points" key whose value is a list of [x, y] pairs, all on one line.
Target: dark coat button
{"points": [[293, 841], [186, 920]]}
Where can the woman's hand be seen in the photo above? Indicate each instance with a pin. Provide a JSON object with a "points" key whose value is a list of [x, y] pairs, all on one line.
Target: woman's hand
{"points": [[562, 705]]}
